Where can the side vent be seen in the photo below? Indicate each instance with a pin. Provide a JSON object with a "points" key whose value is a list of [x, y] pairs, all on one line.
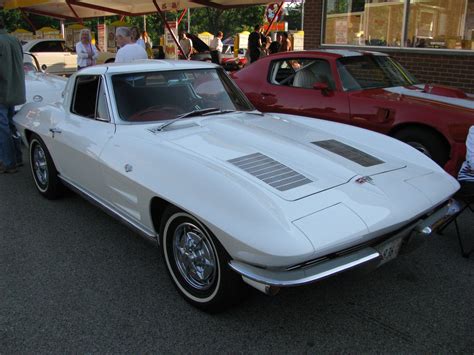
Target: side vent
{"points": [[348, 152], [270, 171]]}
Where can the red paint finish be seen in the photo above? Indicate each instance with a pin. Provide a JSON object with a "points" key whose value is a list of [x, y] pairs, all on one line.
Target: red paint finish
{"points": [[440, 125]]}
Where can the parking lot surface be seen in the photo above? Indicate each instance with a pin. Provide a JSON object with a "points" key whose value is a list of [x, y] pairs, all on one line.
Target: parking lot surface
{"points": [[73, 279]]}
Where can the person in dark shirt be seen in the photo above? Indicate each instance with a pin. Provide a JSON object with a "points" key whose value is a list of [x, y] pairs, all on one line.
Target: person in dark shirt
{"points": [[12, 92], [255, 44], [275, 45]]}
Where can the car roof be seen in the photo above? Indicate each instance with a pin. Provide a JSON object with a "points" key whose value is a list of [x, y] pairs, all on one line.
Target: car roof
{"points": [[334, 53], [145, 65], [31, 43]]}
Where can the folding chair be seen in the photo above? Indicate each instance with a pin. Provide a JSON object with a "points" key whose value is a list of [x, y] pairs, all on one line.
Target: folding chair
{"points": [[466, 197]]}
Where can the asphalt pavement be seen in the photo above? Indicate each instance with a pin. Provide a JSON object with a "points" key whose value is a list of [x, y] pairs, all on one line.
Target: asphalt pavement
{"points": [[72, 279]]}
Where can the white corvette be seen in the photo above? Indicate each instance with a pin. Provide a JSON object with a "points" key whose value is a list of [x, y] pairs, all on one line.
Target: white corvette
{"points": [[233, 196]]}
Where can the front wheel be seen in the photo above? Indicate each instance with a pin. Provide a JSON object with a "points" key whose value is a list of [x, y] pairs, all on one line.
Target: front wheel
{"points": [[43, 170], [427, 142], [197, 263]]}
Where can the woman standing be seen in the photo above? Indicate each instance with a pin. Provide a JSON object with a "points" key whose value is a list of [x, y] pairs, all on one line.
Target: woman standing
{"points": [[86, 52]]}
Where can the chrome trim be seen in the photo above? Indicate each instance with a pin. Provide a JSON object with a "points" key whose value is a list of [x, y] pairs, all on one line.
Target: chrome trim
{"points": [[107, 208], [281, 278], [411, 237], [438, 218]]}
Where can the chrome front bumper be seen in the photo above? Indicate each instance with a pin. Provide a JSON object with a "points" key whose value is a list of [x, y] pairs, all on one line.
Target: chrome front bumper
{"points": [[269, 280]]}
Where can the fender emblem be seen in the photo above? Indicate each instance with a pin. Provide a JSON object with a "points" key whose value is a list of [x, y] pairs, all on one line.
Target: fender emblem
{"points": [[364, 179]]}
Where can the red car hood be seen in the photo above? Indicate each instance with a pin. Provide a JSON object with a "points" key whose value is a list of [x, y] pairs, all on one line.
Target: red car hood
{"points": [[439, 96]]}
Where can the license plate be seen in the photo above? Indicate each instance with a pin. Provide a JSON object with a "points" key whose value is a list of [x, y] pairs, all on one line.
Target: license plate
{"points": [[389, 250]]}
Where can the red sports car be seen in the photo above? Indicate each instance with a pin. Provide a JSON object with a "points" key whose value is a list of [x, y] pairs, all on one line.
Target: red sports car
{"points": [[365, 89]]}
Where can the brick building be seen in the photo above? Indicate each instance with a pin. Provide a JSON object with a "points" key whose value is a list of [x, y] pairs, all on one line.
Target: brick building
{"points": [[433, 39]]}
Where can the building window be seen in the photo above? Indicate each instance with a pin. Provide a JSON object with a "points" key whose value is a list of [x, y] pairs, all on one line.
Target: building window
{"points": [[446, 24]]}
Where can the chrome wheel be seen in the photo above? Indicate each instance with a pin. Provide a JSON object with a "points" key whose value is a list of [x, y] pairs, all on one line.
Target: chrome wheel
{"points": [[197, 263], [40, 165], [194, 256], [43, 170]]}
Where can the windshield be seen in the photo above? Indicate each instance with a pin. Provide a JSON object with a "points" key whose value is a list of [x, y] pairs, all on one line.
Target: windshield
{"points": [[371, 71], [164, 95]]}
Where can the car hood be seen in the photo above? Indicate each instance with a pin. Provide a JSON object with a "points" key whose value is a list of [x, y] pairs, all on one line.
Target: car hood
{"points": [[287, 158], [432, 96]]}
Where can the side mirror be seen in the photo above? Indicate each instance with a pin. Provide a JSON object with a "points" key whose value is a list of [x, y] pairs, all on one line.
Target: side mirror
{"points": [[325, 90], [321, 86]]}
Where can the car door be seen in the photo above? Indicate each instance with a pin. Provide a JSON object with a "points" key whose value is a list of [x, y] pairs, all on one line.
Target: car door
{"points": [[81, 136], [50, 55], [291, 89], [364, 78]]}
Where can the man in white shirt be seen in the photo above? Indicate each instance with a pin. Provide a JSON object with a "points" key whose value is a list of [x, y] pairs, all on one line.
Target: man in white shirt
{"points": [[128, 51], [187, 45], [216, 48]]}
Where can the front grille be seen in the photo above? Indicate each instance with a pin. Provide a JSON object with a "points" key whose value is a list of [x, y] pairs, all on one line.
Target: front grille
{"points": [[352, 249], [270, 171]]}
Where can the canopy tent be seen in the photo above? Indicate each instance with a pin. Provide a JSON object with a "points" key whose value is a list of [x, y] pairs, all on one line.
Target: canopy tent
{"points": [[74, 9], [81, 9]]}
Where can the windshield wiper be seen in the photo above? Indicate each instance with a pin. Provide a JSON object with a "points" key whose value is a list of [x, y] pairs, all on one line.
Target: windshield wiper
{"points": [[204, 112], [188, 114], [253, 112]]}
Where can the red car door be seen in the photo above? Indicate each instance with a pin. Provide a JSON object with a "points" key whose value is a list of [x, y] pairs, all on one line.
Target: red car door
{"points": [[367, 79], [306, 87]]}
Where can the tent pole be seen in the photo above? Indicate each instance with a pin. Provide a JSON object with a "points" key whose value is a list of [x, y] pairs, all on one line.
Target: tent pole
{"points": [[162, 15], [74, 12]]}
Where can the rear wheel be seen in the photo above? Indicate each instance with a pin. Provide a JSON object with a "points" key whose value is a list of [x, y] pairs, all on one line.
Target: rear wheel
{"points": [[197, 263], [428, 142], [43, 170]]}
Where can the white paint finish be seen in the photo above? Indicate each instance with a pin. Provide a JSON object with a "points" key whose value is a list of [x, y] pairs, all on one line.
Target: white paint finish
{"points": [[49, 87], [332, 228], [418, 93], [78, 147]]}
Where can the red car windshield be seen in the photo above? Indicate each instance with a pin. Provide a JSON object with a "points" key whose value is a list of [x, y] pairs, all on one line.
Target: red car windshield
{"points": [[371, 71]]}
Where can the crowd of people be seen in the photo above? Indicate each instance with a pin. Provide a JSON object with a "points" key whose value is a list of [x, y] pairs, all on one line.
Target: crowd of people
{"points": [[132, 45], [260, 45]]}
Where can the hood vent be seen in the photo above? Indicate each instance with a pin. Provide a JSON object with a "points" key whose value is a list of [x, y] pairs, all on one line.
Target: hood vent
{"points": [[348, 152], [270, 171]]}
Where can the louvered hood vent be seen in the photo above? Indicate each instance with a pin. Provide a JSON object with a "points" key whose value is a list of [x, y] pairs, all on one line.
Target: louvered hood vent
{"points": [[270, 171], [348, 152]]}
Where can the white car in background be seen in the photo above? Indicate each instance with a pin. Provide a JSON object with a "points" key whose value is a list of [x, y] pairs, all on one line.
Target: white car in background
{"points": [[233, 196], [55, 57], [39, 86]]}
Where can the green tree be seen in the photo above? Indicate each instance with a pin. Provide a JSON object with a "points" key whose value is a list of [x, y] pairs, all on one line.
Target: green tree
{"points": [[229, 21]]}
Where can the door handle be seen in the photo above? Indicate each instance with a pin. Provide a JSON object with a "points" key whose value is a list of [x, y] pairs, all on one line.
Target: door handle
{"points": [[55, 130], [267, 94]]}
